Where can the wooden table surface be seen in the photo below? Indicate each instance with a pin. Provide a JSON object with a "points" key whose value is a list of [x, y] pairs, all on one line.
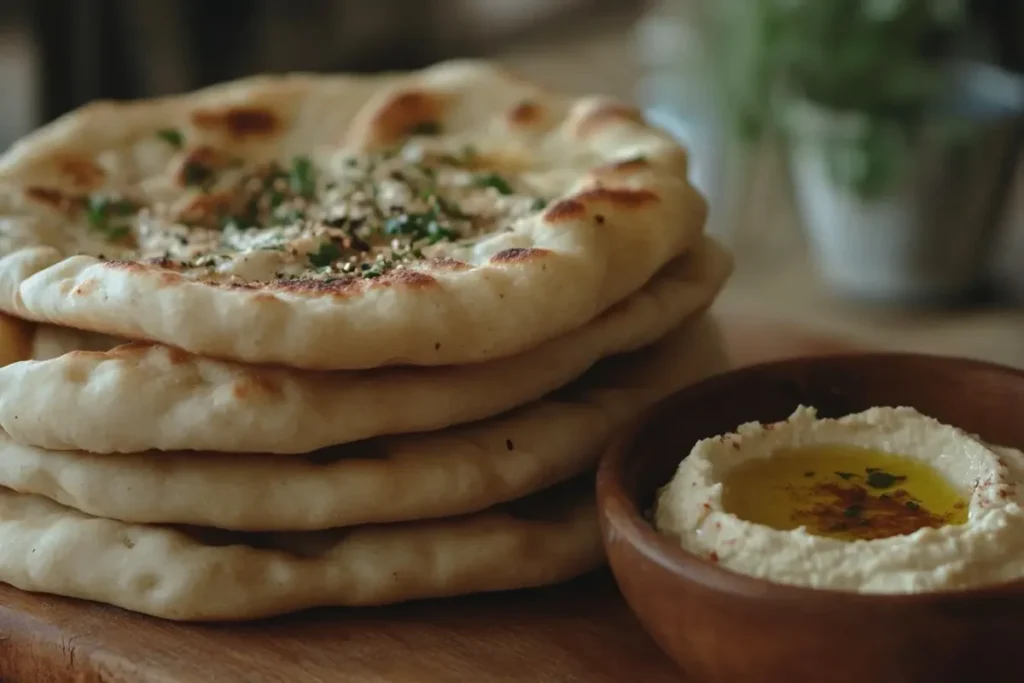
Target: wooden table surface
{"points": [[578, 632]]}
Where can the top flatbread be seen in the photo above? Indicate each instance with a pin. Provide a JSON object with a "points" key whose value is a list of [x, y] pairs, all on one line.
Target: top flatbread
{"points": [[448, 216]]}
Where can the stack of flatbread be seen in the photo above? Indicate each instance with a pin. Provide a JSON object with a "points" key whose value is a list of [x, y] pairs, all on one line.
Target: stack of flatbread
{"points": [[327, 340]]}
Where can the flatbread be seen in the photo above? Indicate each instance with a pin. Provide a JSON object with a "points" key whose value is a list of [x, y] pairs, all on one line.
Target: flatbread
{"points": [[141, 397], [453, 215], [190, 573], [439, 474]]}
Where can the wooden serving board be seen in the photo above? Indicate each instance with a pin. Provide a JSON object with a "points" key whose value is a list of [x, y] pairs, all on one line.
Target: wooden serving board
{"points": [[577, 632]]}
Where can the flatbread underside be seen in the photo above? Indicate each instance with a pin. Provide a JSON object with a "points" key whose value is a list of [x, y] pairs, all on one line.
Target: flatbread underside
{"points": [[141, 397], [440, 474], [207, 575], [617, 206]]}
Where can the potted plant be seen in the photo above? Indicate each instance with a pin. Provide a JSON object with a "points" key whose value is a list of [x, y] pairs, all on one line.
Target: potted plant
{"points": [[898, 148]]}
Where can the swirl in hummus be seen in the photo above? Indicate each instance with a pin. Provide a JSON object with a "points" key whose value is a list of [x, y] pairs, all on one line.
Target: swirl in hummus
{"points": [[883, 501]]}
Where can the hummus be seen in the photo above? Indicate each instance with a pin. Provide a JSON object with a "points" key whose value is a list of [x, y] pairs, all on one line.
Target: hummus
{"points": [[883, 501]]}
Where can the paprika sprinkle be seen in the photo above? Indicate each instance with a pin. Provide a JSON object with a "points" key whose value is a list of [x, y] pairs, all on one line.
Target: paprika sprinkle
{"points": [[844, 492]]}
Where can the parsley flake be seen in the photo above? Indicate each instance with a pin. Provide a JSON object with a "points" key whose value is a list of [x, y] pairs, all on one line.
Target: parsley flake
{"points": [[494, 180], [172, 137], [419, 226], [301, 177], [102, 214], [883, 480], [327, 254]]}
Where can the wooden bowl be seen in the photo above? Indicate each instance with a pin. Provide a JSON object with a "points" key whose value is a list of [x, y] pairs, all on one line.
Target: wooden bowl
{"points": [[722, 626]]}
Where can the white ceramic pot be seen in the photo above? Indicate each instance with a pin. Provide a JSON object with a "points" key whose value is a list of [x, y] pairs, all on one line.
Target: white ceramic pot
{"points": [[925, 239]]}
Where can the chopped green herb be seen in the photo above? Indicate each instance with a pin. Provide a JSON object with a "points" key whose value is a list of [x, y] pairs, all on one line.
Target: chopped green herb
{"points": [[112, 207], [102, 214], [494, 180], [426, 128], [327, 254], [883, 480], [172, 137], [539, 204], [852, 511], [419, 226], [436, 233], [847, 476], [302, 178], [913, 505], [372, 270], [405, 224]]}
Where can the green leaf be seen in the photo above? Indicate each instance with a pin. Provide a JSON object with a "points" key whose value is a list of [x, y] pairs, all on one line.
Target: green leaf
{"points": [[493, 180], [404, 224], [539, 204], [371, 270], [302, 177], [102, 213], [436, 233], [327, 254], [172, 137], [419, 226]]}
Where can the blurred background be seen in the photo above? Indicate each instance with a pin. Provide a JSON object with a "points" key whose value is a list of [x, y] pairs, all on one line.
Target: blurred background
{"points": [[864, 158]]}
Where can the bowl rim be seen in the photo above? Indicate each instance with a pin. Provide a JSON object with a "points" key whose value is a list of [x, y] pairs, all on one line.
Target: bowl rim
{"points": [[621, 517]]}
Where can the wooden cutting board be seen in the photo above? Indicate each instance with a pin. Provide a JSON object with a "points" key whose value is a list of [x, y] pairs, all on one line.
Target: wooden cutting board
{"points": [[579, 632]]}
